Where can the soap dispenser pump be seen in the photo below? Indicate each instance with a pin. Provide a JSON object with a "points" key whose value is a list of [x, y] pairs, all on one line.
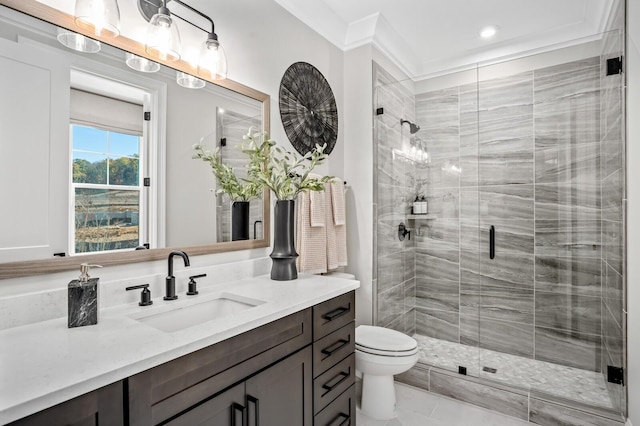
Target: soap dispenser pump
{"points": [[83, 298]]}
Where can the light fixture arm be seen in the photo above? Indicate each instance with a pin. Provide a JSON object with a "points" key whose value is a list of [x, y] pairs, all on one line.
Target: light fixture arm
{"points": [[148, 8], [212, 34]]}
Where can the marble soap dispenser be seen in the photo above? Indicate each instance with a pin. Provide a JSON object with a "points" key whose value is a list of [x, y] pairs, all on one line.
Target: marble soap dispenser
{"points": [[83, 298]]}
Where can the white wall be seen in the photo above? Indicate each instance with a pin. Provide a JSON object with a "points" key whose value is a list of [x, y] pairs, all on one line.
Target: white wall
{"points": [[262, 40], [358, 171], [633, 209]]}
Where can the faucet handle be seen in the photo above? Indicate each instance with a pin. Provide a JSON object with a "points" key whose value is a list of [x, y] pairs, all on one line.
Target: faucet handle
{"points": [[145, 295], [192, 284]]}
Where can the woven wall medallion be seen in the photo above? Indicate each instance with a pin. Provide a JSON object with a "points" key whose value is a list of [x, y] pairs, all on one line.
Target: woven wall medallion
{"points": [[308, 108]]}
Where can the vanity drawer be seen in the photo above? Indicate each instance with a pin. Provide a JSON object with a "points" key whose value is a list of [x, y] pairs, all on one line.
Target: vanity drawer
{"points": [[160, 393], [333, 348], [341, 412], [333, 382], [333, 314]]}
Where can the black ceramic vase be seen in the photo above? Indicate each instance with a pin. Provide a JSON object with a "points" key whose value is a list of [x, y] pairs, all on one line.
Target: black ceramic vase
{"points": [[283, 267], [239, 220]]}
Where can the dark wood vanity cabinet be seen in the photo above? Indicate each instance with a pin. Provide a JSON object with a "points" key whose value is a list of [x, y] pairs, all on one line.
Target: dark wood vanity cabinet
{"points": [[334, 368], [101, 407], [262, 374], [295, 371], [278, 395]]}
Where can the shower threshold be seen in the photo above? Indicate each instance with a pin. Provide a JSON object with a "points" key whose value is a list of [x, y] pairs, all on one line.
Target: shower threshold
{"points": [[574, 384]]}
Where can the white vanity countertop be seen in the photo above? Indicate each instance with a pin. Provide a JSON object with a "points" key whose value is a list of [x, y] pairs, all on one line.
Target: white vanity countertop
{"points": [[46, 363]]}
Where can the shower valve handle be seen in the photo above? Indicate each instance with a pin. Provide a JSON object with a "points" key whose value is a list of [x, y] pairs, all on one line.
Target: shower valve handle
{"points": [[403, 232]]}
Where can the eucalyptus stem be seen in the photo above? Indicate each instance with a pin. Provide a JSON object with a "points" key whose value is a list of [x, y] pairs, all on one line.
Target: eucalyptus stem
{"points": [[283, 172]]}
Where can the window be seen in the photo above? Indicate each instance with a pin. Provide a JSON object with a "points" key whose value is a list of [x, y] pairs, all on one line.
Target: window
{"points": [[106, 189], [107, 158]]}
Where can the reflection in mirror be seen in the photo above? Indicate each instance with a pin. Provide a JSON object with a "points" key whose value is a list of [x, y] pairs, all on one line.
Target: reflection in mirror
{"points": [[232, 126], [108, 152]]}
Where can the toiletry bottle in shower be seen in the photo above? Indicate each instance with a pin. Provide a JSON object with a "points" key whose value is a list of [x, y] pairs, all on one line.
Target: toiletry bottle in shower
{"points": [[423, 205], [416, 205], [83, 298]]}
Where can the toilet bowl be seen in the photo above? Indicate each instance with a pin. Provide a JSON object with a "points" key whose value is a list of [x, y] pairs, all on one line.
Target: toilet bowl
{"points": [[382, 353]]}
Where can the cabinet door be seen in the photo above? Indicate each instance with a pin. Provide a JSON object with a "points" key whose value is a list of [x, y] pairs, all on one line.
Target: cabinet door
{"points": [[281, 394], [100, 407], [34, 156], [225, 409]]}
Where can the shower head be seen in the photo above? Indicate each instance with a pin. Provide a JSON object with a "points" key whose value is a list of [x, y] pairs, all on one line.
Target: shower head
{"points": [[413, 127]]}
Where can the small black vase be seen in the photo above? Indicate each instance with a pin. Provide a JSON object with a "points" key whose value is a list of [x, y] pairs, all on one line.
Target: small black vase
{"points": [[239, 220], [283, 267]]}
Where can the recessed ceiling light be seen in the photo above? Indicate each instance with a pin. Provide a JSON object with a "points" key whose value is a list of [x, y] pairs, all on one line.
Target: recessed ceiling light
{"points": [[488, 32]]}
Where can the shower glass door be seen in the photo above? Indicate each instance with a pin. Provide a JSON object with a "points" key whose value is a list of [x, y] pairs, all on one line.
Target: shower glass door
{"points": [[550, 191], [425, 144]]}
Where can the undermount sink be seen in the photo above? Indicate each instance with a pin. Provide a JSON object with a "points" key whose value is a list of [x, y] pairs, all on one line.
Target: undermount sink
{"points": [[189, 313]]}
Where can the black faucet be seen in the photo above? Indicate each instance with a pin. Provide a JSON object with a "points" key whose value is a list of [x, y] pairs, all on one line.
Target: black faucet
{"points": [[171, 280]]}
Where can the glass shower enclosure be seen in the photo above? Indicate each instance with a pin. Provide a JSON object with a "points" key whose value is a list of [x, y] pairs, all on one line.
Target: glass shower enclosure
{"points": [[515, 276]]}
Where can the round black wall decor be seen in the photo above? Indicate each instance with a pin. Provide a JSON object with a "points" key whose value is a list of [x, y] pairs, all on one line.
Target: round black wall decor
{"points": [[307, 108]]}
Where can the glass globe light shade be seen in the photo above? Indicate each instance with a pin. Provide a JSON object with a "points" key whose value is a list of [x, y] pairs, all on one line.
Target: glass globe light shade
{"points": [[163, 38], [77, 41], [141, 64], [100, 17], [212, 63], [189, 81]]}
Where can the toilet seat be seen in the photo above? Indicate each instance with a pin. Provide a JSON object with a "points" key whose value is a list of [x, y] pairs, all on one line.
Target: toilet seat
{"points": [[384, 342], [382, 353], [392, 354]]}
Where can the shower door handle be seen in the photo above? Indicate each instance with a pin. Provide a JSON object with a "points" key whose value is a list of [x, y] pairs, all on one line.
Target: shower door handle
{"points": [[492, 242]]}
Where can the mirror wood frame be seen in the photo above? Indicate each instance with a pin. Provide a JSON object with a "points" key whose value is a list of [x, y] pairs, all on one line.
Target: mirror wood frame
{"points": [[48, 266]]}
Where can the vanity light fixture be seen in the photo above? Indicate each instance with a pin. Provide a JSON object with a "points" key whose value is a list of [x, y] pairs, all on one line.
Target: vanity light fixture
{"points": [[139, 63], [212, 61], [77, 42], [189, 81], [101, 17], [163, 37], [489, 32]]}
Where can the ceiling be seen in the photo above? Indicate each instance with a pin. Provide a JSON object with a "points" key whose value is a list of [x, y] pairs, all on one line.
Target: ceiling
{"points": [[427, 37]]}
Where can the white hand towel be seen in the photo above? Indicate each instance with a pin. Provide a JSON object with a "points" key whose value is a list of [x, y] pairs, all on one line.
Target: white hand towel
{"points": [[311, 241], [337, 202], [317, 205]]}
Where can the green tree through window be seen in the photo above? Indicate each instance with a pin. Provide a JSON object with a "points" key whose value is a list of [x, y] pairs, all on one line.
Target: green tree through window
{"points": [[106, 181]]}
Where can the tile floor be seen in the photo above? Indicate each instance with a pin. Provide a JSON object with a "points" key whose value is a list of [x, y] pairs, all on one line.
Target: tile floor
{"points": [[572, 383], [416, 407]]}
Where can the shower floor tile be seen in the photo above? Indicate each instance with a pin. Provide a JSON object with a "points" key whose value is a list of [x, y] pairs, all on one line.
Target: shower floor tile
{"points": [[567, 382]]}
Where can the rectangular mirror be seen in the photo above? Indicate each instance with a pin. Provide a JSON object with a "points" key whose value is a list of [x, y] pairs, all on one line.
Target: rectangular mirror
{"points": [[97, 158]]}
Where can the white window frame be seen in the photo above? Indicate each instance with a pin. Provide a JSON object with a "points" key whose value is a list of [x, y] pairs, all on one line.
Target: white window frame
{"points": [[143, 196], [153, 95]]}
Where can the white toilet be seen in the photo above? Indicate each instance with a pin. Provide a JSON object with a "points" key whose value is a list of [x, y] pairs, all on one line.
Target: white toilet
{"points": [[381, 353]]}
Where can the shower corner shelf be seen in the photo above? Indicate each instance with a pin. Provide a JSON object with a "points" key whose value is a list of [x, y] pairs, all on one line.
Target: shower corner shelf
{"points": [[421, 217]]}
